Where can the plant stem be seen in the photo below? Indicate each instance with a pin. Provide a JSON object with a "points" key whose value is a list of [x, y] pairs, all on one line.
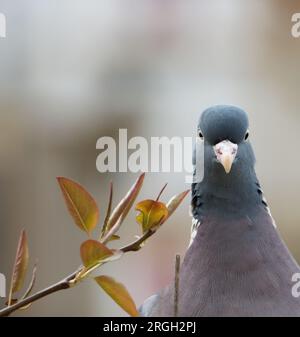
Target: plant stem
{"points": [[63, 284], [66, 282], [176, 285], [161, 192], [52, 289], [136, 245]]}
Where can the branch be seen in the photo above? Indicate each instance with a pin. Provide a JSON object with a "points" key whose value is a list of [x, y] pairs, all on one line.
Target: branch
{"points": [[67, 283], [64, 284], [137, 245], [176, 285]]}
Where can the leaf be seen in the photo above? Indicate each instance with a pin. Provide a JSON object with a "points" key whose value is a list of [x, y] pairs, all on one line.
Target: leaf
{"points": [[113, 238], [152, 213], [125, 204], [175, 201], [119, 213], [26, 306], [30, 287], [108, 212], [21, 263], [32, 282], [118, 293], [93, 252], [80, 203]]}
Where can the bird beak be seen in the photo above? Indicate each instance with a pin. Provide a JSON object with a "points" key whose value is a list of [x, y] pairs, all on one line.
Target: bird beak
{"points": [[225, 152]]}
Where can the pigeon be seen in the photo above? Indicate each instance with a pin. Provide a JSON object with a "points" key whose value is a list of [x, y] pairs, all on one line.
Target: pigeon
{"points": [[236, 263]]}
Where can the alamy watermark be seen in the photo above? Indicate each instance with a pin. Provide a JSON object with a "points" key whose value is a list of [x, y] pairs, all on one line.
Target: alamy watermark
{"points": [[2, 285], [295, 31], [296, 286], [159, 154], [2, 25]]}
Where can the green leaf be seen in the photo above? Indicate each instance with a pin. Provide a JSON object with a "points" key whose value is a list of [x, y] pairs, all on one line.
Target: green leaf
{"points": [[93, 252], [119, 213], [152, 214], [175, 201], [118, 293], [80, 203], [20, 266]]}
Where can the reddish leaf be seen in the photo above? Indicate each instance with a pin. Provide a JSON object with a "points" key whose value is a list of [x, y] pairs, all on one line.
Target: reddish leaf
{"points": [[152, 214], [80, 203], [118, 293], [30, 287], [108, 211], [122, 209], [175, 201], [93, 252], [20, 266], [32, 282]]}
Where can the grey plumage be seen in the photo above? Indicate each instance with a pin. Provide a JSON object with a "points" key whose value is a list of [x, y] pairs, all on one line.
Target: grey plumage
{"points": [[237, 264]]}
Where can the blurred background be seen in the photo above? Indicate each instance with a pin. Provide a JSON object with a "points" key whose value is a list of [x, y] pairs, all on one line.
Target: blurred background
{"points": [[74, 71]]}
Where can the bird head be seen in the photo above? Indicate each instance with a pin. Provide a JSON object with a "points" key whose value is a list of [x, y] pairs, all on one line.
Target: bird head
{"points": [[224, 131], [229, 181]]}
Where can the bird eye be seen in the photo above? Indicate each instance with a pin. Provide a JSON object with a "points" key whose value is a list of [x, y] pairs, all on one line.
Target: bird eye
{"points": [[247, 135], [200, 134]]}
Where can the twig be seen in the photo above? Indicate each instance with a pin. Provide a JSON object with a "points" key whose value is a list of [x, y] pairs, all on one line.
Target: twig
{"points": [[67, 282], [137, 245], [64, 284], [176, 285], [161, 191]]}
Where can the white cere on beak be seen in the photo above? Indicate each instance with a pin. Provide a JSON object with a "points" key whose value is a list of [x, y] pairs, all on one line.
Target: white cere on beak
{"points": [[225, 152]]}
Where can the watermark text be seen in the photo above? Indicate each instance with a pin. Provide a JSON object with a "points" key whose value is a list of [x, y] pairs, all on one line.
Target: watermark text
{"points": [[296, 286], [2, 25], [295, 31], [158, 154], [2, 285]]}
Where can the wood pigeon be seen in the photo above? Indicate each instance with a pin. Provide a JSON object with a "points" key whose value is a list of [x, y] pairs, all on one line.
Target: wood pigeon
{"points": [[236, 264]]}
